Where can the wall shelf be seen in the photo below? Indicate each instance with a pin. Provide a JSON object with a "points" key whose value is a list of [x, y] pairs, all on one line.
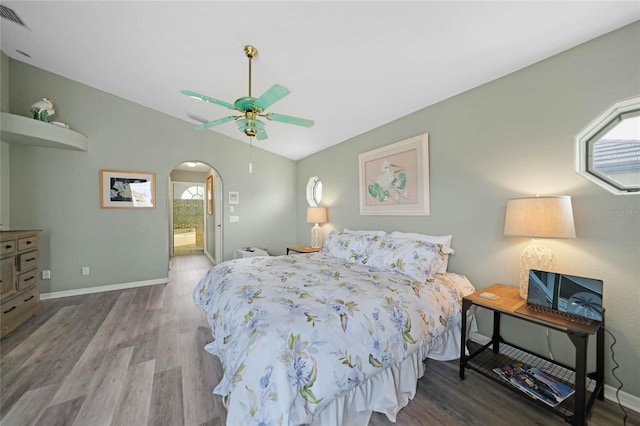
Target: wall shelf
{"points": [[17, 129]]}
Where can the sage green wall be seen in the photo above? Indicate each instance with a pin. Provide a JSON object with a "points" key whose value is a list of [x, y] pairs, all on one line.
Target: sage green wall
{"points": [[514, 137], [4, 147], [58, 190]]}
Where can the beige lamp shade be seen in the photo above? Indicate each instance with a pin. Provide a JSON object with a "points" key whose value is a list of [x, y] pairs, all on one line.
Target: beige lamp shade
{"points": [[540, 217], [316, 214]]}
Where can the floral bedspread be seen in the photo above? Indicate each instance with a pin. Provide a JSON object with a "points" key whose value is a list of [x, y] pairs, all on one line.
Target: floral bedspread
{"points": [[293, 333]]}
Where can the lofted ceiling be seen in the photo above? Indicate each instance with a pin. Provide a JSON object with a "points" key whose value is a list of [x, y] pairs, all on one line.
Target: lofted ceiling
{"points": [[351, 66]]}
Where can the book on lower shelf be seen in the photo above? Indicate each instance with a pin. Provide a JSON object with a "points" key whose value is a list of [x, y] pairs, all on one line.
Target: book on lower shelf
{"points": [[535, 383]]}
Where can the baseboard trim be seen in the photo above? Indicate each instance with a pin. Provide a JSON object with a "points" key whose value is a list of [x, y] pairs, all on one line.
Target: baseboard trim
{"points": [[210, 257], [626, 399], [102, 288]]}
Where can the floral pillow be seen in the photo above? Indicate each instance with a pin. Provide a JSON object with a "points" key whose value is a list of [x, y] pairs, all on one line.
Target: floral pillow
{"points": [[364, 232], [445, 240], [350, 247], [418, 260]]}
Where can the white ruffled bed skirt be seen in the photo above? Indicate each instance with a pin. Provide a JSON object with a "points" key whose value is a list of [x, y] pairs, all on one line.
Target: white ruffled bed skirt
{"points": [[390, 390]]}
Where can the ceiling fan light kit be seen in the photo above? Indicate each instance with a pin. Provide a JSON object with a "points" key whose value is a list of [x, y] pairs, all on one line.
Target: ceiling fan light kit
{"points": [[252, 127], [251, 108]]}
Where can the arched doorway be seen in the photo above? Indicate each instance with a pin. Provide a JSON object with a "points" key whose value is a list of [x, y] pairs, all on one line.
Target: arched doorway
{"points": [[195, 210]]}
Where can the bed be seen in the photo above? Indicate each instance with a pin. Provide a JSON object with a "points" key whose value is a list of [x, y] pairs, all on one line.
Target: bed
{"points": [[326, 338]]}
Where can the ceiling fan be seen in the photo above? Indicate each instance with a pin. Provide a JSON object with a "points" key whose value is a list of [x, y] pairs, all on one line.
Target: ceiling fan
{"points": [[251, 108]]}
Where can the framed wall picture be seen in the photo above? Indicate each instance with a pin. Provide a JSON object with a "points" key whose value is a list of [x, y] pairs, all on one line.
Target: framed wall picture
{"points": [[123, 189], [394, 179], [209, 192]]}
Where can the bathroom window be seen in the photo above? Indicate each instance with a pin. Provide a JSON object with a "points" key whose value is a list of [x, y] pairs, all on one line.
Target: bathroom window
{"points": [[195, 192]]}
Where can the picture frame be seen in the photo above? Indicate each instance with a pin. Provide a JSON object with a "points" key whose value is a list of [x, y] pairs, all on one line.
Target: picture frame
{"points": [[234, 197], [209, 194], [121, 189], [394, 179]]}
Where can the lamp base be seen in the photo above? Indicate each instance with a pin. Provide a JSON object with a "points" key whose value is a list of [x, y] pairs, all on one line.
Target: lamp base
{"points": [[316, 236], [534, 256]]}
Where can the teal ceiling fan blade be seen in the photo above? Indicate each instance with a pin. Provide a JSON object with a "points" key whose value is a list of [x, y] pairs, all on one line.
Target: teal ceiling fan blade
{"points": [[289, 119], [262, 135], [215, 122], [207, 99], [250, 108], [271, 96]]}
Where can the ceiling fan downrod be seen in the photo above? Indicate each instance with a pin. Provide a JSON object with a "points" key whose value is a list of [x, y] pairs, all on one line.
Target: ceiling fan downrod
{"points": [[251, 53]]}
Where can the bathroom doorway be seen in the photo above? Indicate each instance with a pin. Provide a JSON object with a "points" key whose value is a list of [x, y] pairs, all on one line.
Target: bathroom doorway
{"points": [[188, 218], [195, 211]]}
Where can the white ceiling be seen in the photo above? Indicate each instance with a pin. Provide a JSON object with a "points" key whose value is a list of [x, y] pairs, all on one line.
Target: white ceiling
{"points": [[350, 66]]}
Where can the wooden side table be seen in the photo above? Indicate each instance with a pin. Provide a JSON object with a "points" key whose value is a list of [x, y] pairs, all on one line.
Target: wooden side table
{"points": [[588, 386], [303, 249]]}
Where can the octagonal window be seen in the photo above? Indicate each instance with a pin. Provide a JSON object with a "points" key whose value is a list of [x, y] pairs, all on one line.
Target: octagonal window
{"points": [[314, 191], [608, 149]]}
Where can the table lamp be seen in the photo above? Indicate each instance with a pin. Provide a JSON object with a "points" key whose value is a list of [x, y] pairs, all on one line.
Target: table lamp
{"points": [[316, 215], [538, 217]]}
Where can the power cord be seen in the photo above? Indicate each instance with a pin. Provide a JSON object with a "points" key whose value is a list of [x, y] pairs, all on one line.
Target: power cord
{"points": [[613, 372]]}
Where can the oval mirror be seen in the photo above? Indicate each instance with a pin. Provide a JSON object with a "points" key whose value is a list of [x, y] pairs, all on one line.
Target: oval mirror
{"points": [[608, 149]]}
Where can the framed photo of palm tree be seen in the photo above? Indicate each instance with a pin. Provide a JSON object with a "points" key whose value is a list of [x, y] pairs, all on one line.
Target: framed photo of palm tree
{"points": [[123, 189]]}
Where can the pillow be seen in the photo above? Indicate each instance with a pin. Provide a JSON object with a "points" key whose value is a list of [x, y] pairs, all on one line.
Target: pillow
{"points": [[350, 247], [416, 259], [445, 240], [373, 233]]}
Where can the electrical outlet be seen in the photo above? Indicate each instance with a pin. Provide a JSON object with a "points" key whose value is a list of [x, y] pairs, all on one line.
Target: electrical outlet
{"points": [[85, 270], [46, 274], [234, 219]]}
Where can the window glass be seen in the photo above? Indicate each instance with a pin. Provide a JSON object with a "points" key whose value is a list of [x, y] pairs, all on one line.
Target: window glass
{"points": [[195, 192], [314, 191], [608, 150]]}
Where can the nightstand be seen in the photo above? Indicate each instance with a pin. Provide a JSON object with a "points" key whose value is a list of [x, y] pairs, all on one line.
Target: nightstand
{"points": [[303, 249], [498, 352]]}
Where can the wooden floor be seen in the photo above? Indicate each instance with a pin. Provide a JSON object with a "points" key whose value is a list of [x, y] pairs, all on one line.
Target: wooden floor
{"points": [[136, 357]]}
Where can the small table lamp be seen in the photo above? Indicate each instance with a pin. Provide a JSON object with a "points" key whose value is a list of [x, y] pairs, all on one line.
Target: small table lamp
{"points": [[538, 217], [316, 215]]}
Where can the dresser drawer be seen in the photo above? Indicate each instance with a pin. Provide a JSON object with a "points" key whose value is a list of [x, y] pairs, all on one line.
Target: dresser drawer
{"points": [[8, 247], [27, 243], [17, 305], [27, 261], [7, 277], [28, 280]]}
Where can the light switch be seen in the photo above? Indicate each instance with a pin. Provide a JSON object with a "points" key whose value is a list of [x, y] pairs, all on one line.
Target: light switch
{"points": [[234, 219], [232, 209]]}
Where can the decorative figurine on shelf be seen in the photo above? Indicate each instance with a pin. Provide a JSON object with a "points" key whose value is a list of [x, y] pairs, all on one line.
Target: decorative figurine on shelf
{"points": [[42, 110]]}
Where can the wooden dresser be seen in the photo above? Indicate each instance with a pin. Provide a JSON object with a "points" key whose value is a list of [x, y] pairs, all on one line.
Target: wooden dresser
{"points": [[19, 279]]}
